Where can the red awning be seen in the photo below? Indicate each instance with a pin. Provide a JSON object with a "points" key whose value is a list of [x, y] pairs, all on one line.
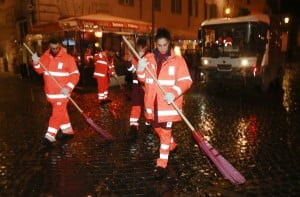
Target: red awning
{"points": [[45, 28], [105, 23]]}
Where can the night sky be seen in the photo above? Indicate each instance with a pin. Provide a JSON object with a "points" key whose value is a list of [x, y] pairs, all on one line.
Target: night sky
{"points": [[290, 7]]}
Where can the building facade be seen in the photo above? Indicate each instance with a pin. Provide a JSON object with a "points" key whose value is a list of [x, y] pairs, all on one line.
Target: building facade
{"points": [[33, 21]]}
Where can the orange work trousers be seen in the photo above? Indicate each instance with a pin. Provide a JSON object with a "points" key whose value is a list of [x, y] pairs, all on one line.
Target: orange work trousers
{"points": [[137, 103], [103, 83], [167, 144], [59, 118]]}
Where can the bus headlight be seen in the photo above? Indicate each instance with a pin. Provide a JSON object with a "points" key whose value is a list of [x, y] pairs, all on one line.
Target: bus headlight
{"points": [[245, 62]]}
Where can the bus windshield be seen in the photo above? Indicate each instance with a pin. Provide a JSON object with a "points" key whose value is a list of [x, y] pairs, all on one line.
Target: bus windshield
{"points": [[233, 39]]}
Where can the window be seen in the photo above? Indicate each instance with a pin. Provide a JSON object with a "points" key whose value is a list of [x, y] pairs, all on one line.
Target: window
{"points": [[127, 2], [211, 11], [193, 8], [157, 5], [176, 6]]}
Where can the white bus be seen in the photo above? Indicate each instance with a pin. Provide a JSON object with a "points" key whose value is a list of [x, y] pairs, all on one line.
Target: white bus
{"points": [[246, 48]]}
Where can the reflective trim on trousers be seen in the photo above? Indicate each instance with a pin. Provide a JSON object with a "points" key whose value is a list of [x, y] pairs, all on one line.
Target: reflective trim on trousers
{"points": [[50, 136]]}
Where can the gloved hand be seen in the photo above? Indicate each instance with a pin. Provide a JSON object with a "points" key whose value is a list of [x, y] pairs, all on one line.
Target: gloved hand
{"points": [[65, 91], [133, 69], [142, 64], [169, 97], [35, 58]]}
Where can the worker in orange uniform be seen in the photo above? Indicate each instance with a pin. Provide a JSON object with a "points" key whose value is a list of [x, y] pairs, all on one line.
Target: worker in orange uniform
{"points": [[172, 73], [137, 94], [63, 69], [104, 67]]}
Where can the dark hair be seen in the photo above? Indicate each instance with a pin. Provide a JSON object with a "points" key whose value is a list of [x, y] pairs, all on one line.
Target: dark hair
{"points": [[163, 33], [53, 41], [141, 42]]}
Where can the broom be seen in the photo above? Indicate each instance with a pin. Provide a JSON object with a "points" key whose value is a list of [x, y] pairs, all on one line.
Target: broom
{"points": [[99, 130], [226, 169]]}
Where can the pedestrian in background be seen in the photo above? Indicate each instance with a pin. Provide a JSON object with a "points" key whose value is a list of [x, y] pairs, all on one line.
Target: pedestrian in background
{"points": [[104, 67], [137, 94], [172, 73], [88, 57], [195, 70], [63, 69]]}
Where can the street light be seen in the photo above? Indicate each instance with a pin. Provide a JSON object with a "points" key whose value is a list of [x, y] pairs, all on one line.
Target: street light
{"points": [[98, 34], [286, 20], [227, 11]]}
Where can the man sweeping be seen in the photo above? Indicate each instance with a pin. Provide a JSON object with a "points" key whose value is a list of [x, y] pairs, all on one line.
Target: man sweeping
{"points": [[59, 67]]}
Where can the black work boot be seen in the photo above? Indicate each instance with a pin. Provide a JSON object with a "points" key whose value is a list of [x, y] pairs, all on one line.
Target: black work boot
{"points": [[46, 142], [159, 172], [132, 132], [64, 136]]}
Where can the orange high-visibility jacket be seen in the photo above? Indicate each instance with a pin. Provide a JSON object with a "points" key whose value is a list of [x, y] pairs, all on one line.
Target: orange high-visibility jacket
{"points": [[101, 65], [174, 77], [63, 68]]}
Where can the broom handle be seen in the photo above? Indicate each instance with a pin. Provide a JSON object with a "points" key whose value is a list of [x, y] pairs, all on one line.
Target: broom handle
{"points": [[159, 85], [51, 76]]}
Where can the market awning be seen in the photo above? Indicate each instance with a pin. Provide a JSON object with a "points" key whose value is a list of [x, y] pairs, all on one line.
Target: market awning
{"points": [[105, 23], [45, 28]]}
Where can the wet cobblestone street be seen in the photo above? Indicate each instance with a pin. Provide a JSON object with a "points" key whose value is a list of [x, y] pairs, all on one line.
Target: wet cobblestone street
{"points": [[257, 133]]}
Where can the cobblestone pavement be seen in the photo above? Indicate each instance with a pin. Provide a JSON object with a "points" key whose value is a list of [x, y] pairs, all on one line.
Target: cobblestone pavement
{"points": [[257, 133]]}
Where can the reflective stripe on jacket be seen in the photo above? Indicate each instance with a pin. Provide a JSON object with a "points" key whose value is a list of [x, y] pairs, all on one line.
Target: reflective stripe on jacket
{"points": [[174, 77]]}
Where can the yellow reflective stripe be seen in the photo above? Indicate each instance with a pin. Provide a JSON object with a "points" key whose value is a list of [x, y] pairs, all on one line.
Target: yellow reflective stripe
{"points": [[167, 113], [101, 62], [131, 68], [163, 156], [57, 74], [166, 82], [133, 119], [71, 85], [56, 96], [184, 78], [164, 146], [177, 89], [74, 72], [52, 130], [141, 76], [99, 74], [65, 126]]}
